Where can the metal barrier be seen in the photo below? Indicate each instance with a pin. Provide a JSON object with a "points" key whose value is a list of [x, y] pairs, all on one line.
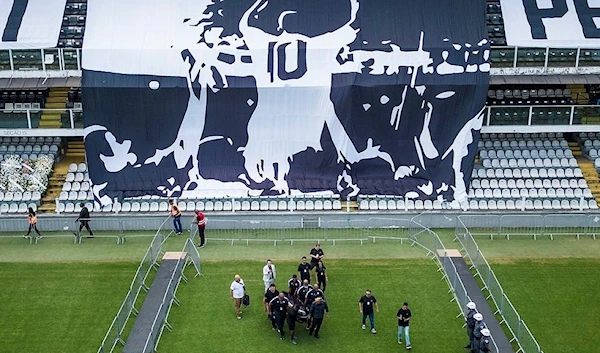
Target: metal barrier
{"points": [[115, 331], [521, 334], [29, 118], [576, 225]]}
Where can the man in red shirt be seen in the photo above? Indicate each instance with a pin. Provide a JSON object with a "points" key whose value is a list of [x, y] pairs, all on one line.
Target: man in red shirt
{"points": [[200, 220]]}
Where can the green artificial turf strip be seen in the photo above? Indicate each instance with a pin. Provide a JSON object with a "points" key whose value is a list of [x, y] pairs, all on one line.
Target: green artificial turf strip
{"points": [[206, 321], [56, 308], [557, 299]]}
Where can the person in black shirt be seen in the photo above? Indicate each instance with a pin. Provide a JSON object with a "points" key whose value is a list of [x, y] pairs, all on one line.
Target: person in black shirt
{"points": [[293, 285], [271, 293], [292, 315], [304, 270], [317, 312], [404, 316], [303, 291], [321, 276], [278, 307], [316, 254], [311, 296], [84, 220], [365, 307]]}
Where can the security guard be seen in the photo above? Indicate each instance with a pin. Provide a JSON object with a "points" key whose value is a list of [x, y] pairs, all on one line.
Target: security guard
{"points": [[479, 325], [278, 308], [484, 345], [470, 322], [303, 291], [271, 293], [311, 296]]}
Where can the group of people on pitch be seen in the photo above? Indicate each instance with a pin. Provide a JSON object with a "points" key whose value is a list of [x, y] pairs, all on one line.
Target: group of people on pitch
{"points": [[302, 302], [479, 335]]}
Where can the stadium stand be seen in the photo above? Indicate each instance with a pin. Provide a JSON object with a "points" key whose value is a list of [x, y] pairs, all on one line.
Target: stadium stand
{"points": [[515, 172], [73, 26], [26, 164]]}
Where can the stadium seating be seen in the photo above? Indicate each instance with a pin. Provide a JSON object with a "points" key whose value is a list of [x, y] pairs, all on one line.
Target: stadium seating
{"points": [[24, 171], [515, 172]]}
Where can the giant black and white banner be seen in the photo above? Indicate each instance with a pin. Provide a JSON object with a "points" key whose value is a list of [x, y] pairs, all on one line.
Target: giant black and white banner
{"points": [[246, 97], [30, 24], [552, 23]]}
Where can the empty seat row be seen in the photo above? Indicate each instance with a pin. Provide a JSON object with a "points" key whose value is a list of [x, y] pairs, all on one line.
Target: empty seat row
{"points": [[82, 195], [16, 207], [525, 153], [4, 149], [521, 136], [217, 205], [541, 193], [527, 93], [530, 163], [76, 186], [529, 205], [528, 183], [78, 176], [522, 144], [518, 173], [17, 196], [77, 168], [31, 140]]}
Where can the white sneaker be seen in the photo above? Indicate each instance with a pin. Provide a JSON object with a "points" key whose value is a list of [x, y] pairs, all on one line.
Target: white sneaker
{"points": [[373, 331], [364, 327]]}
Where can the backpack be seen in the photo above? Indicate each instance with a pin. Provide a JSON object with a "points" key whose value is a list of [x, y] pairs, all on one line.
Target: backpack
{"points": [[246, 300]]}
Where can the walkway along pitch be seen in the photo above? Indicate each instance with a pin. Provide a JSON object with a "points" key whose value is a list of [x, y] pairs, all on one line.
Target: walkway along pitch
{"points": [[483, 307], [143, 335]]}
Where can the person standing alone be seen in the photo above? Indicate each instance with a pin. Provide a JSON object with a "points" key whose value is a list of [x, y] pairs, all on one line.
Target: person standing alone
{"points": [[237, 291], [269, 274], [84, 220], [404, 316], [176, 214], [200, 220], [365, 306], [32, 220]]}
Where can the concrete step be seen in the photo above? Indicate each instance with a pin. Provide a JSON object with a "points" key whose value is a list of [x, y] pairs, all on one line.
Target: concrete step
{"points": [[59, 99], [59, 105]]}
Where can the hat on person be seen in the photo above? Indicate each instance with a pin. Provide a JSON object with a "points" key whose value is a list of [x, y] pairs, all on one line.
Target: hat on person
{"points": [[485, 332], [478, 317], [471, 305]]}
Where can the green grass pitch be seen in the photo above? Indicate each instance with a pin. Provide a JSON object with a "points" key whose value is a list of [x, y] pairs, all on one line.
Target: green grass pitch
{"points": [[60, 297]]}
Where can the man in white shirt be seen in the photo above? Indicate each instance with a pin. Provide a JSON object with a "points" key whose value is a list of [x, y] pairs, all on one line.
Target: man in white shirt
{"points": [[238, 290], [269, 274]]}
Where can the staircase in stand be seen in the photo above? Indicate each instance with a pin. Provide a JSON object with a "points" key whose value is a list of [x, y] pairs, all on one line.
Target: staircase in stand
{"points": [[74, 154], [587, 169], [75, 149], [57, 99], [579, 94]]}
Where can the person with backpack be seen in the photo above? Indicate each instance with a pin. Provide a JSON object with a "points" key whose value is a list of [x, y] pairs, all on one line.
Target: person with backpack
{"points": [[32, 220], [176, 214]]}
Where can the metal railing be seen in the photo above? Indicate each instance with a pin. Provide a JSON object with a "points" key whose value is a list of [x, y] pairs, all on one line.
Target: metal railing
{"points": [[54, 59], [521, 334], [370, 230], [103, 227], [61, 59], [149, 261], [542, 115], [517, 57], [550, 225], [31, 118]]}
